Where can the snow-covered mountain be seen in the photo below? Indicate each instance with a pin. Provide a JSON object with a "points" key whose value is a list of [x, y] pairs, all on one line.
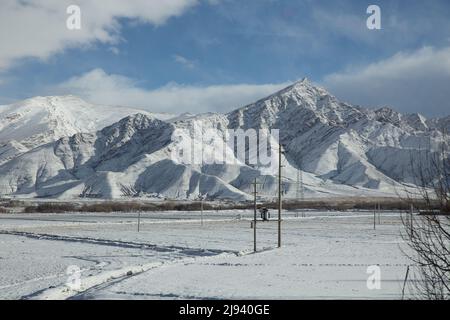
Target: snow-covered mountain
{"points": [[347, 144], [339, 149], [33, 122]]}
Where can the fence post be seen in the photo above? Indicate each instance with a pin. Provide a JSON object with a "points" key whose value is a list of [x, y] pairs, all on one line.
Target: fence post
{"points": [[374, 217], [379, 213], [411, 218], [404, 282], [139, 220]]}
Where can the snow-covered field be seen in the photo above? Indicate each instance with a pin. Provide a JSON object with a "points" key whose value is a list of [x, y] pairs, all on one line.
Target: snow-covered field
{"points": [[323, 255]]}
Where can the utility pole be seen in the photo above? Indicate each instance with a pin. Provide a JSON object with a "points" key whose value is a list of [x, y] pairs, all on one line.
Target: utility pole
{"points": [[254, 214], [302, 186], [201, 210], [201, 198], [279, 194], [297, 191], [300, 194], [302, 190], [379, 214]]}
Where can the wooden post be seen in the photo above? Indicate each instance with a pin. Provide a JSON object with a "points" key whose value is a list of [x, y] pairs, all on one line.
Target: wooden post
{"points": [[379, 214], [404, 282], [279, 195], [139, 220], [201, 198], [374, 214], [254, 215], [201, 210], [411, 218]]}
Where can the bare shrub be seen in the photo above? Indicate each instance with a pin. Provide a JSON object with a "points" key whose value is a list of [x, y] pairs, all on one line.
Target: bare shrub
{"points": [[428, 234], [111, 207], [13, 204], [51, 208]]}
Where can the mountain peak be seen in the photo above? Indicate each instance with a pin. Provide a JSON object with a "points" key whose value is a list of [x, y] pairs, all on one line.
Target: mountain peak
{"points": [[137, 121], [386, 114], [305, 88], [304, 81], [42, 119], [51, 100]]}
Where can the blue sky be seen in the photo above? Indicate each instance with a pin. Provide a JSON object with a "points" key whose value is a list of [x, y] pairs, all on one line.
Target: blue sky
{"points": [[215, 55]]}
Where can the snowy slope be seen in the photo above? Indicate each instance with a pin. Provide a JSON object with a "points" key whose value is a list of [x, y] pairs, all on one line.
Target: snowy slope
{"points": [[33, 122], [131, 156], [347, 144], [339, 149]]}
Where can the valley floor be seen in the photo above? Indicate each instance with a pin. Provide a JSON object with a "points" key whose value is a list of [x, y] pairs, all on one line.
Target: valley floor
{"points": [[174, 256]]}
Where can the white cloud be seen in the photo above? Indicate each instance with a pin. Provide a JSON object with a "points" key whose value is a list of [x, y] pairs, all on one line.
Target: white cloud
{"points": [[99, 87], [37, 28], [184, 61], [408, 81]]}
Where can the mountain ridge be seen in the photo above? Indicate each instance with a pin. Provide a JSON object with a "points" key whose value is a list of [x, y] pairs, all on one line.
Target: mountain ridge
{"points": [[340, 149], [39, 120]]}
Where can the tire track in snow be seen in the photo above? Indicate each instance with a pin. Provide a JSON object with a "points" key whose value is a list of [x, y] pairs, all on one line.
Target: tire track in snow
{"points": [[122, 244], [110, 277], [90, 293], [92, 284]]}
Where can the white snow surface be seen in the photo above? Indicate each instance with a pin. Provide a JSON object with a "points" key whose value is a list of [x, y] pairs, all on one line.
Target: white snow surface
{"points": [[324, 255]]}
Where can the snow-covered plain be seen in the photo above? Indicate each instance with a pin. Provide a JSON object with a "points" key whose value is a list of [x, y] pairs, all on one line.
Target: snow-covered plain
{"points": [[323, 255]]}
